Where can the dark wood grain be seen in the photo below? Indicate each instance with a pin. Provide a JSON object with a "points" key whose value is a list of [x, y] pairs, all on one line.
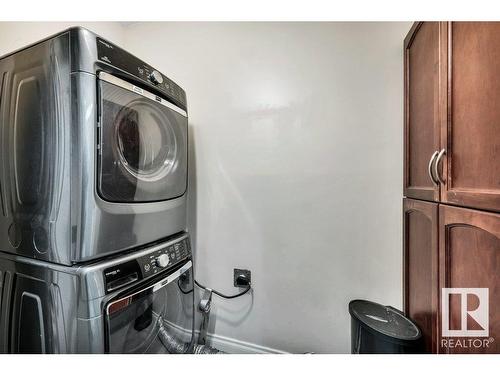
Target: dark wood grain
{"points": [[452, 102], [422, 121], [472, 135], [420, 244], [469, 257]]}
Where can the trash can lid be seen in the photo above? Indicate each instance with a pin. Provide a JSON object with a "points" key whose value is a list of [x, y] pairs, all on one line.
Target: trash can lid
{"points": [[384, 319]]}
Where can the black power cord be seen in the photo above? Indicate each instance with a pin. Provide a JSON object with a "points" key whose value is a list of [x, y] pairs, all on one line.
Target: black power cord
{"points": [[224, 295]]}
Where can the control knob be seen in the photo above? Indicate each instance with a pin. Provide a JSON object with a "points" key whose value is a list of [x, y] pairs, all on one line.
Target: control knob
{"points": [[156, 77], [162, 261]]}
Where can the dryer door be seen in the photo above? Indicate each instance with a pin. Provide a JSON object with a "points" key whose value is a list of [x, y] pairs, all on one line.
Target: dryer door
{"points": [[158, 318], [142, 145]]}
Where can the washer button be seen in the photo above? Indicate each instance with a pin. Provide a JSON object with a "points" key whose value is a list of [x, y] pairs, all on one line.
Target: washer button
{"points": [[163, 260]]}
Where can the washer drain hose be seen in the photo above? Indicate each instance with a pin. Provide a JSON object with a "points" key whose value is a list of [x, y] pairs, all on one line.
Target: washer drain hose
{"points": [[176, 346]]}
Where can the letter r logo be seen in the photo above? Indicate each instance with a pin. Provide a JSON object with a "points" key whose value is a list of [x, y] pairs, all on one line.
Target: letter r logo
{"points": [[468, 314]]}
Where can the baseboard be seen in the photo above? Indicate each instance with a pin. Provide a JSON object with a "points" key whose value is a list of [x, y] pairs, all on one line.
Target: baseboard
{"points": [[233, 346], [227, 344]]}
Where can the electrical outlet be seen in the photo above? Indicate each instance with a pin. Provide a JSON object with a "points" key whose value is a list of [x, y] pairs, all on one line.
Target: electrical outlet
{"points": [[240, 276]]}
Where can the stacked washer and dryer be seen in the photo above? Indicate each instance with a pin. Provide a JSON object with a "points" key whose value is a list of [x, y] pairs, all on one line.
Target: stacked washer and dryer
{"points": [[94, 254]]}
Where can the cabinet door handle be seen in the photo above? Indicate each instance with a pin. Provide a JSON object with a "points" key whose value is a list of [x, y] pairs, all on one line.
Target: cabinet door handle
{"points": [[436, 166], [429, 168]]}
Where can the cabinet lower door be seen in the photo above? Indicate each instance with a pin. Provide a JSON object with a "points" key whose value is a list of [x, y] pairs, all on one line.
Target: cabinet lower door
{"points": [[469, 269], [421, 266]]}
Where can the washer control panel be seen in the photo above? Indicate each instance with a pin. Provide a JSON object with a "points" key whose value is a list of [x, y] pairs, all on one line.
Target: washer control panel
{"points": [[164, 257], [148, 263]]}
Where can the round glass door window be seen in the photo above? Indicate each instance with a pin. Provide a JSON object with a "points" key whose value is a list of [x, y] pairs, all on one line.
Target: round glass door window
{"points": [[142, 148], [145, 141]]}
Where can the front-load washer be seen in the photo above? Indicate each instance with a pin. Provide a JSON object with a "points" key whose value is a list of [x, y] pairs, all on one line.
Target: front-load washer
{"points": [[140, 302], [93, 156]]}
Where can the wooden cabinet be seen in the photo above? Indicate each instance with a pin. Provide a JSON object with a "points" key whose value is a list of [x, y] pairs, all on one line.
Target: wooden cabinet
{"points": [[450, 247], [471, 168], [452, 170], [422, 123], [469, 257], [420, 236], [452, 116]]}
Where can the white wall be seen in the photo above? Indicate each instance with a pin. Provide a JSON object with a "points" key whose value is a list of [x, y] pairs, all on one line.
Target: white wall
{"points": [[296, 168], [14, 35]]}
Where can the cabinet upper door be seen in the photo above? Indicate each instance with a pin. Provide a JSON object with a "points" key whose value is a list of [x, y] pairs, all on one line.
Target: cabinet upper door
{"points": [[469, 257], [420, 244], [422, 109], [471, 168]]}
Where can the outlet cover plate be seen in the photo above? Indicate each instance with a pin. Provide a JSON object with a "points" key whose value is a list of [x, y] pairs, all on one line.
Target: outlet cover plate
{"points": [[237, 272]]}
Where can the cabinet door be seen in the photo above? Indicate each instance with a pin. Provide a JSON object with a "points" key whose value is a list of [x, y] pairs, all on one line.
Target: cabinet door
{"points": [[422, 109], [469, 257], [472, 139], [420, 244]]}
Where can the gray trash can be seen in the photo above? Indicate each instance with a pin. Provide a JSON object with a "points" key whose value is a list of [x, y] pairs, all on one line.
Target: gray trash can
{"points": [[378, 329]]}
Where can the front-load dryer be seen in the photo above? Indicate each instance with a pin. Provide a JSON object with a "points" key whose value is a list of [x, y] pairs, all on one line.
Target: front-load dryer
{"points": [[93, 150]]}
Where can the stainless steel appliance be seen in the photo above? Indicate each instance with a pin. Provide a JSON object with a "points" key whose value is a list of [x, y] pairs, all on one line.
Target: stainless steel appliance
{"points": [[142, 302], [93, 156]]}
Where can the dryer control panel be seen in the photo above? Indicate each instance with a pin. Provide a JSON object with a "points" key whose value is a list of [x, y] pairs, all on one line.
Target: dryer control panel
{"points": [[112, 55], [147, 263]]}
